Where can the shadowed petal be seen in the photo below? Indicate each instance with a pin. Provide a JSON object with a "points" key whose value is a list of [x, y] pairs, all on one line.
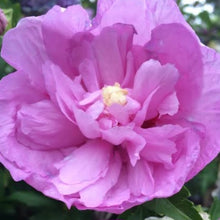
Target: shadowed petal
{"points": [[130, 140]]}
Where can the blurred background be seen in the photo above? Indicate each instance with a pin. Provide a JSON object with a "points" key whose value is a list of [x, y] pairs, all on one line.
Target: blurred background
{"points": [[18, 201]]}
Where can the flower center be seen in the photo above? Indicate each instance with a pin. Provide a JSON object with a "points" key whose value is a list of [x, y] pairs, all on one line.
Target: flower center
{"points": [[114, 94]]}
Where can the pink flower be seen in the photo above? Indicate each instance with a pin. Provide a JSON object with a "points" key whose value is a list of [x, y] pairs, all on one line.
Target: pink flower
{"points": [[109, 113], [3, 22]]}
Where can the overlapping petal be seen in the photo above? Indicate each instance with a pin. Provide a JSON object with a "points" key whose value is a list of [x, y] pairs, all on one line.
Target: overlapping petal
{"points": [[16, 51], [174, 44], [58, 28]]}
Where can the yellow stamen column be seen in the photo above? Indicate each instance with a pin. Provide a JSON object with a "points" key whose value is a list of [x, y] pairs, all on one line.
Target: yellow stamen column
{"points": [[114, 94]]}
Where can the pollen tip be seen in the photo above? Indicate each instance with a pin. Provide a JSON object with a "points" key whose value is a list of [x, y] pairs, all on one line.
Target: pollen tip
{"points": [[114, 94]]}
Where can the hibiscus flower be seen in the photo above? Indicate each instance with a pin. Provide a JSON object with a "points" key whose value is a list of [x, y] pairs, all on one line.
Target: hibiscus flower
{"points": [[108, 113]]}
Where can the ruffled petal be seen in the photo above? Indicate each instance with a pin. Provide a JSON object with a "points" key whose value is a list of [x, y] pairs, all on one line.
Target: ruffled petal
{"points": [[152, 75], [153, 83], [165, 12], [144, 15], [123, 114], [140, 179], [131, 12], [207, 110], [110, 48], [170, 105], [89, 197], [120, 192], [92, 158], [87, 124], [17, 88], [14, 154], [174, 44], [42, 126], [65, 93], [132, 142], [170, 181], [62, 90], [88, 71], [29, 54], [58, 27], [160, 144]]}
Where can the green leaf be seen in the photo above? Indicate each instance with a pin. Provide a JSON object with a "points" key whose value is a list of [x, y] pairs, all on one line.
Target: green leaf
{"points": [[2, 188], [7, 211], [205, 180], [137, 213], [15, 10], [45, 215], [176, 207], [31, 199], [58, 214], [215, 209], [204, 15]]}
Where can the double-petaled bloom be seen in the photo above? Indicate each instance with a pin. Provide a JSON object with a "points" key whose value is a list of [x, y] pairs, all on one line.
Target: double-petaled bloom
{"points": [[108, 113]]}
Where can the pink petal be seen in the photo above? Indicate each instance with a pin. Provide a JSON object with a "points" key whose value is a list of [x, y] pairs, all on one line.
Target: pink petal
{"points": [[7, 121], [165, 12], [81, 55], [174, 44], [16, 51], [144, 15], [90, 98], [169, 181], [94, 195], [95, 109], [207, 110], [42, 126], [87, 124], [153, 83], [152, 75], [110, 49], [84, 166], [39, 163], [126, 12], [160, 143], [123, 114], [140, 179], [59, 26], [130, 71], [88, 72], [15, 154], [64, 92], [141, 115], [170, 105], [56, 79], [128, 139], [120, 192], [17, 88]]}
